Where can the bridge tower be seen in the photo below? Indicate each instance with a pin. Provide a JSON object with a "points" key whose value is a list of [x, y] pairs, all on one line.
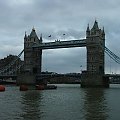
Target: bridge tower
{"points": [[95, 43], [32, 59]]}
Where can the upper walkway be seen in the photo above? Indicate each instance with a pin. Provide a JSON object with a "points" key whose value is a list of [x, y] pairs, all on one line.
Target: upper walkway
{"points": [[61, 44]]}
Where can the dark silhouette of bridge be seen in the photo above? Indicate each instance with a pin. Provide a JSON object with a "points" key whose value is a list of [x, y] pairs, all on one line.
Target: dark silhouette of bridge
{"points": [[94, 76]]}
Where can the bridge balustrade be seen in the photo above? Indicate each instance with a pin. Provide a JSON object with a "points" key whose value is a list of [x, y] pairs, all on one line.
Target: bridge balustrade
{"points": [[62, 44]]}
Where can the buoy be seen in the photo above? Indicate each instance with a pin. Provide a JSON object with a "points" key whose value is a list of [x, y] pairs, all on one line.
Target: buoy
{"points": [[23, 87], [40, 87], [2, 88]]}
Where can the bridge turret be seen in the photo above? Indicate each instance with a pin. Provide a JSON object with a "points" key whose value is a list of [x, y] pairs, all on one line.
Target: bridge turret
{"points": [[25, 37], [41, 39], [103, 33], [33, 36], [88, 31], [95, 26], [33, 33], [95, 29]]}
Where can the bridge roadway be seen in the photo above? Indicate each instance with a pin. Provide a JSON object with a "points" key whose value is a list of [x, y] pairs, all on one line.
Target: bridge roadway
{"points": [[61, 44], [115, 77], [112, 75], [57, 75], [75, 75]]}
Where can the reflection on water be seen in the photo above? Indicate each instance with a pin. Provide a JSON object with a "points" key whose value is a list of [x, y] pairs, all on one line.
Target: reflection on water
{"points": [[95, 105], [31, 105], [67, 102]]}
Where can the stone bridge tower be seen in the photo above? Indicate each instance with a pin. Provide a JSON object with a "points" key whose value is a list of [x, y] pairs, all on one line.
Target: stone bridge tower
{"points": [[32, 59], [95, 44]]}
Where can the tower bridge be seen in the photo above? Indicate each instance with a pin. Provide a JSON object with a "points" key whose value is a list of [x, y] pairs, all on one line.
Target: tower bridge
{"points": [[94, 43], [93, 76]]}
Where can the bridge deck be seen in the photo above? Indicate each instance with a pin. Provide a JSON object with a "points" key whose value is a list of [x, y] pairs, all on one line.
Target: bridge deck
{"points": [[112, 75], [61, 44]]}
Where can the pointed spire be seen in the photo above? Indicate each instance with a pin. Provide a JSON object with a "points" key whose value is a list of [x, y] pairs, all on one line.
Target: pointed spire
{"points": [[25, 35], [88, 29], [41, 37], [95, 26], [33, 29], [33, 33], [103, 32]]}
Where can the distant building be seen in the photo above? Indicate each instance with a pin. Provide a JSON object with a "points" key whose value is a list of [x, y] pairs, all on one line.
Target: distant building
{"points": [[8, 60]]}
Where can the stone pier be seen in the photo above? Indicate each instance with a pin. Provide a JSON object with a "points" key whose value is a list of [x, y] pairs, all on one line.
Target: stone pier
{"points": [[94, 80]]}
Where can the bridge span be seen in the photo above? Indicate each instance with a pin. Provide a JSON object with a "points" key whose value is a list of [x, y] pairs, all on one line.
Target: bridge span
{"points": [[61, 44], [113, 78]]}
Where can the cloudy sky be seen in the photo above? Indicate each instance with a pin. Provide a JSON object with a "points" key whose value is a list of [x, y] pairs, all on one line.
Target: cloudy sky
{"points": [[56, 17]]}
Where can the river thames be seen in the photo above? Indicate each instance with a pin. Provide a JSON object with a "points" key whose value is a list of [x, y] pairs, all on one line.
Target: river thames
{"points": [[67, 102]]}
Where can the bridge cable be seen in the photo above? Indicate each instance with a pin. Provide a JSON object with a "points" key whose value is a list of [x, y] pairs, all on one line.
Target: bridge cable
{"points": [[12, 63], [111, 54]]}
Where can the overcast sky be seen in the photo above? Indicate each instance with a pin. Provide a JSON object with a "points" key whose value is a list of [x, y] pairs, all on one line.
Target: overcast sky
{"points": [[56, 17]]}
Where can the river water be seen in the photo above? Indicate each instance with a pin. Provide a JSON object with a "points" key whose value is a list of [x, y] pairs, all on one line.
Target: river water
{"points": [[67, 102]]}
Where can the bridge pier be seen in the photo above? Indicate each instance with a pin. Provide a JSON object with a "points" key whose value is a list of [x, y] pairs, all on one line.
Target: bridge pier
{"points": [[94, 80], [26, 78]]}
